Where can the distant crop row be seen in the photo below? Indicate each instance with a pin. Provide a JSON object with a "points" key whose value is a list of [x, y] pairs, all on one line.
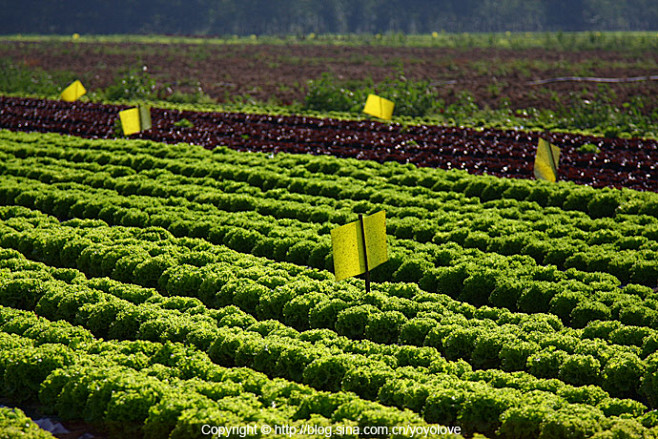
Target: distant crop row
{"points": [[627, 163], [635, 41]]}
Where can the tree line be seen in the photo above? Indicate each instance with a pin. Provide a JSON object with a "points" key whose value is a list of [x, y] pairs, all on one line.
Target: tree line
{"points": [[285, 17]]}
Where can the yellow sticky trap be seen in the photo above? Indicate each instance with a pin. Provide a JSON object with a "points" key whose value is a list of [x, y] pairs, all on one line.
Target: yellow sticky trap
{"points": [[546, 161], [379, 107], [73, 91], [134, 120], [129, 121], [144, 118], [349, 252]]}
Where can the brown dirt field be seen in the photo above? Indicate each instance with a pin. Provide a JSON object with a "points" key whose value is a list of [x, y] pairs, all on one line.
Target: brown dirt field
{"points": [[279, 73]]}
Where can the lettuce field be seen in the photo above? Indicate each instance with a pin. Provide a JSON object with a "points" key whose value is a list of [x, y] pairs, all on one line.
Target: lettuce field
{"points": [[179, 283]]}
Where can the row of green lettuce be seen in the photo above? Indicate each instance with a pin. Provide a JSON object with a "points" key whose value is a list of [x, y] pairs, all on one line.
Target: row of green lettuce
{"points": [[142, 382], [14, 423], [336, 178], [399, 318], [327, 179], [456, 228], [515, 281], [624, 246], [160, 390]]}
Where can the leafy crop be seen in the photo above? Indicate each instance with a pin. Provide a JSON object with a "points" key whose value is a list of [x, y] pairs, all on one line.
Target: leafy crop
{"points": [[135, 83], [412, 98], [14, 423], [25, 80], [152, 287]]}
